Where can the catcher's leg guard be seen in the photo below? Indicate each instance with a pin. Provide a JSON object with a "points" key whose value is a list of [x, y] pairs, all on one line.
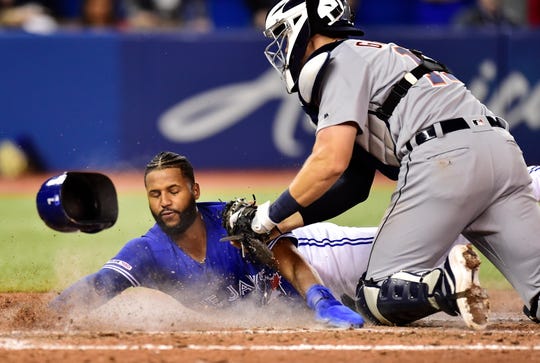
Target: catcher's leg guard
{"points": [[405, 297], [532, 312], [401, 299]]}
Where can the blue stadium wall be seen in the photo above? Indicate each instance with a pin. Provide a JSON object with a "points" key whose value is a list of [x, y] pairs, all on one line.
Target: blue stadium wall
{"points": [[113, 100]]}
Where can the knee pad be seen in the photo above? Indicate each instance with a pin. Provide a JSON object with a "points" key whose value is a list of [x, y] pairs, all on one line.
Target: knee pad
{"points": [[78, 201], [402, 298]]}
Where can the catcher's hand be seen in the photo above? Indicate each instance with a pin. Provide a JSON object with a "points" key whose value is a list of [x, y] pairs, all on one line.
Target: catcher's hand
{"points": [[237, 217]]}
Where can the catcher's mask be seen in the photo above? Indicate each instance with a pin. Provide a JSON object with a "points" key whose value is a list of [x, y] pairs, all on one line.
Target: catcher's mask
{"points": [[78, 201], [291, 23]]}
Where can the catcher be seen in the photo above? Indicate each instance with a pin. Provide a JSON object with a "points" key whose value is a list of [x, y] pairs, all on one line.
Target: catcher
{"points": [[182, 254], [339, 254], [460, 170]]}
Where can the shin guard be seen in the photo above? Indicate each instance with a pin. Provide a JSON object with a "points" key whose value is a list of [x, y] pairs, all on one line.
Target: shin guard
{"points": [[402, 298], [532, 312]]}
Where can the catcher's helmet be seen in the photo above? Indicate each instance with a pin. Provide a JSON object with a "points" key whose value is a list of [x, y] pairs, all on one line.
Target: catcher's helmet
{"points": [[78, 201], [291, 23]]}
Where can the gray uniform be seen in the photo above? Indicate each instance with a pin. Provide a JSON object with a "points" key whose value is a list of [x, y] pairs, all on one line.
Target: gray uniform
{"points": [[472, 181]]}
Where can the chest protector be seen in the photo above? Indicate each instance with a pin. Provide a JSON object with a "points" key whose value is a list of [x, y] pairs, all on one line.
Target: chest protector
{"points": [[375, 137]]}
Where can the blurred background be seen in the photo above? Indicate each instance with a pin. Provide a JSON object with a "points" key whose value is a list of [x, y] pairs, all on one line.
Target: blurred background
{"points": [[106, 84]]}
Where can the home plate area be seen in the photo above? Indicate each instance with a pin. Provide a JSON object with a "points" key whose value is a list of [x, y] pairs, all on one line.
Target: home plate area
{"points": [[152, 327]]}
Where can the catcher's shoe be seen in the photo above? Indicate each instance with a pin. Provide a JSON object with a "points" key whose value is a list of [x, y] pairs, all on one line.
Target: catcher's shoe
{"points": [[461, 270]]}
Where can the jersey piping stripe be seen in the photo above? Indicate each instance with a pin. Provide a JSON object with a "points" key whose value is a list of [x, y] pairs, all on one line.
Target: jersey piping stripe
{"points": [[305, 241], [533, 169], [124, 273], [334, 243]]}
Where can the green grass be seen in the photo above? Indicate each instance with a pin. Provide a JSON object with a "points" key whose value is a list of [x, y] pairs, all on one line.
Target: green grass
{"points": [[36, 258]]}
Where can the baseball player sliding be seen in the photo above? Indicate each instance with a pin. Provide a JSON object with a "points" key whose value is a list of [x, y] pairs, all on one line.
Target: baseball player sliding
{"points": [[382, 106], [182, 254]]}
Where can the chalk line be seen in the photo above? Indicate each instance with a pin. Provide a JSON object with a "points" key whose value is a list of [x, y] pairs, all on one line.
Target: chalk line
{"points": [[11, 344]]}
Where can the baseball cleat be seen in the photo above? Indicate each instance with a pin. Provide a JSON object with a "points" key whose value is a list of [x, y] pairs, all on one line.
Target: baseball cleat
{"points": [[471, 299]]}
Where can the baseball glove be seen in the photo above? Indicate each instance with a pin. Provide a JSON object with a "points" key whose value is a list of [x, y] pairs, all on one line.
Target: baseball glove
{"points": [[237, 217]]}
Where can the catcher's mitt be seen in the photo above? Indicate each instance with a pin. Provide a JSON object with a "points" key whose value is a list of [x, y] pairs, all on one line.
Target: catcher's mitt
{"points": [[237, 217]]}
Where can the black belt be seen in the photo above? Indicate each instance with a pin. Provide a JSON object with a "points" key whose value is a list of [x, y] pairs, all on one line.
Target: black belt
{"points": [[448, 126]]}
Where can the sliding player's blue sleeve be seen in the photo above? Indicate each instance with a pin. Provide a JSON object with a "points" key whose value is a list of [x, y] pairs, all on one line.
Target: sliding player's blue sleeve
{"points": [[119, 273]]}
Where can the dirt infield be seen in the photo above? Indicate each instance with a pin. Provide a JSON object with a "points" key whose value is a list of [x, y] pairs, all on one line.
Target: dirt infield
{"points": [[154, 328]]}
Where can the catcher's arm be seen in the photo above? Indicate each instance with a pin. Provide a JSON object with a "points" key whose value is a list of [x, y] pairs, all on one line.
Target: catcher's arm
{"points": [[351, 188]]}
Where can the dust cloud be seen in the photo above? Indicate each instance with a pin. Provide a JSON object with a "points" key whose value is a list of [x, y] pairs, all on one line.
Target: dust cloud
{"points": [[142, 309]]}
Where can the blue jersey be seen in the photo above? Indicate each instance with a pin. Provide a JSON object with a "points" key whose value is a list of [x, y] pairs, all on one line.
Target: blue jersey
{"points": [[155, 261]]}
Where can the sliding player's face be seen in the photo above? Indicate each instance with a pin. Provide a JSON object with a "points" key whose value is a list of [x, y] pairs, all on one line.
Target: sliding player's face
{"points": [[171, 198]]}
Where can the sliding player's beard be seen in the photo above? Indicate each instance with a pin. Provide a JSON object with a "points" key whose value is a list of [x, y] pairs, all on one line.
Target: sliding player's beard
{"points": [[187, 217]]}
